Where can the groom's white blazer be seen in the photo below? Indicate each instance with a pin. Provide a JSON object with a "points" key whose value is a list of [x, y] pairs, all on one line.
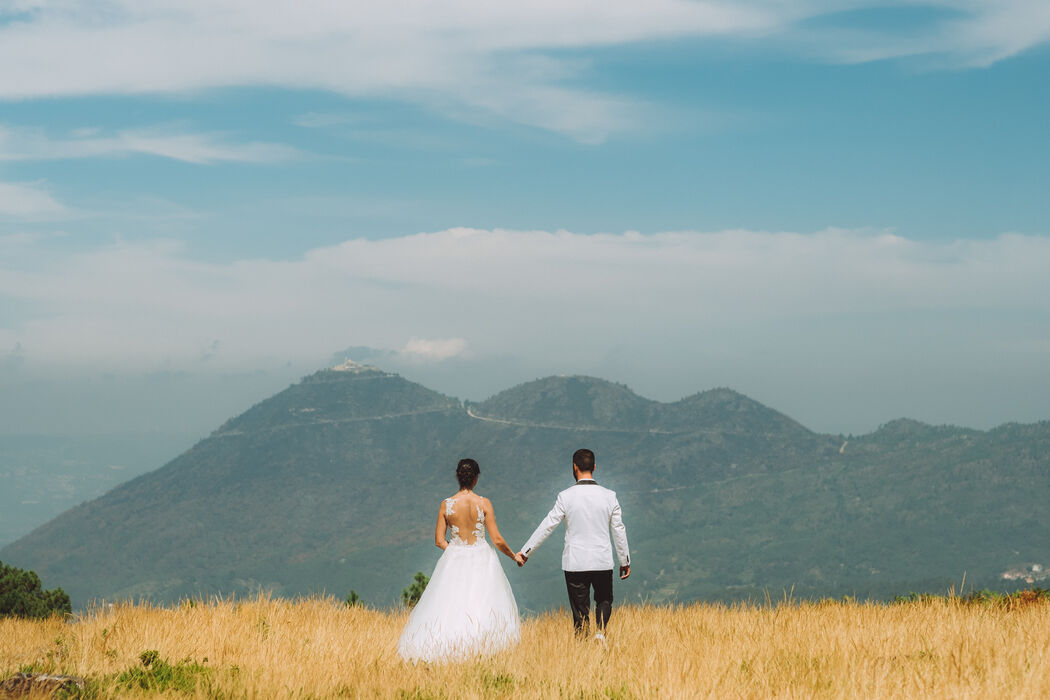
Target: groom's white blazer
{"points": [[590, 511]]}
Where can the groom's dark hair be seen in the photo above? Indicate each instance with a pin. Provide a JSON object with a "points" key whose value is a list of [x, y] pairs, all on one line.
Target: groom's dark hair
{"points": [[467, 472], [584, 460]]}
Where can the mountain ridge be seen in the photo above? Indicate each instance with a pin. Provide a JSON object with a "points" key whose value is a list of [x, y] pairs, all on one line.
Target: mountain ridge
{"points": [[333, 482]]}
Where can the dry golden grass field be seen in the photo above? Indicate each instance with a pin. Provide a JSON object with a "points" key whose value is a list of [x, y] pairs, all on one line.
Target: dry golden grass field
{"points": [[320, 648]]}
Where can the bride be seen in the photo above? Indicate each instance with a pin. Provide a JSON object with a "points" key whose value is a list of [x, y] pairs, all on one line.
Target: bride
{"points": [[468, 607]]}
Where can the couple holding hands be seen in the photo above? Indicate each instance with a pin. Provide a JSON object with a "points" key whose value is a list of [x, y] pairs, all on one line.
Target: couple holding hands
{"points": [[468, 607]]}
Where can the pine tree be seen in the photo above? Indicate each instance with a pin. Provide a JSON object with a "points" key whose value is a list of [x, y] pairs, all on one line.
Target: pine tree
{"points": [[22, 596], [411, 595]]}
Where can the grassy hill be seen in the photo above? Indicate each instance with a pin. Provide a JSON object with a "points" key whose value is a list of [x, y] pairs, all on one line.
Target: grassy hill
{"points": [[334, 484]]}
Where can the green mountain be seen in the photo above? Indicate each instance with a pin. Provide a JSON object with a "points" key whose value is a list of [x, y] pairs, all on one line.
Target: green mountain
{"points": [[335, 483]]}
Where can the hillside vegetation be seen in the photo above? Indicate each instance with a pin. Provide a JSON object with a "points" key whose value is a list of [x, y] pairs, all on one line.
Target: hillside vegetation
{"points": [[322, 648], [333, 485]]}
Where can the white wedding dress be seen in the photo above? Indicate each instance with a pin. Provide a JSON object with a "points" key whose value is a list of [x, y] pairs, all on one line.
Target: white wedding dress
{"points": [[467, 608]]}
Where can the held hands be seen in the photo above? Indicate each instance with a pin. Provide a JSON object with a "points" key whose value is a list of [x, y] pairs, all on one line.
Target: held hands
{"points": [[520, 559], [625, 571]]}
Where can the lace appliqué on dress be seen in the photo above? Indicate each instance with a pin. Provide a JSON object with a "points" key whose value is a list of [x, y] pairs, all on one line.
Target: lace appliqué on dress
{"points": [[479, 526]]}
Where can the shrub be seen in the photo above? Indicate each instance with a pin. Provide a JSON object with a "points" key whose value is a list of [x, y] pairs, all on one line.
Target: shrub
{"points": [[22, 596], [157, 675]]}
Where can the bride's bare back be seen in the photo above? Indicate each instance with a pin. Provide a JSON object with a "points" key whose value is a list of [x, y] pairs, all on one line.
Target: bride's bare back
{"points": [[466, 516]]}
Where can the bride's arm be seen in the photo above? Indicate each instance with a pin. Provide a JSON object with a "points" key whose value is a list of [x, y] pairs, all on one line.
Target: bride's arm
{"points": [[490, 525], [439, 531]]}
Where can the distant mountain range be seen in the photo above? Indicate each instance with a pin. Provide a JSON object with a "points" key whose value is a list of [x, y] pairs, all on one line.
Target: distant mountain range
{"points": [[334, 483]]}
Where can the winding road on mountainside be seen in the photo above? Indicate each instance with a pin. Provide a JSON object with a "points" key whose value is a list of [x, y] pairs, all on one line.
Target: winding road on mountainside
{"points": [[503, 421], [680, 487], [553, 426], [330, 421]]}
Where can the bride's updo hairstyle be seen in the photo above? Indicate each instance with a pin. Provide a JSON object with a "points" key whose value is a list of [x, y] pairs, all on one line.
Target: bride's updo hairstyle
{"points": [[467, 473]]}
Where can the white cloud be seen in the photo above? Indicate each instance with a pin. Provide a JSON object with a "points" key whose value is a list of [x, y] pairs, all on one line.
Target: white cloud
{"points": [[433, 350], [525, 293], [29, 201], [472, 58], [20, 143], [476, 56]]}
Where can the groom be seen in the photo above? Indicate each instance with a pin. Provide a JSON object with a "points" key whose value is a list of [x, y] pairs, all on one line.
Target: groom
{"points": [[590, 511]]}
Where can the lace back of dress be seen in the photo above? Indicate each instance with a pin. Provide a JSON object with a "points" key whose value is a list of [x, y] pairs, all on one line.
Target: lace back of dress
{"points": [[477, 531]]}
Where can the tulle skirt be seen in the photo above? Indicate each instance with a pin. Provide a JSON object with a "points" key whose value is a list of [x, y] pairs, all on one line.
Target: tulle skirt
{"points": [[467, 608]]}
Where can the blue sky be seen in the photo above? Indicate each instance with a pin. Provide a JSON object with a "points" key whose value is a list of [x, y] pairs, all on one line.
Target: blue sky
{"points": [[202, 189]]}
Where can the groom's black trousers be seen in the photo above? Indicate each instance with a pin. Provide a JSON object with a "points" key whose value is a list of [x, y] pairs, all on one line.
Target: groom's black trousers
{"points": [[579, 584]]}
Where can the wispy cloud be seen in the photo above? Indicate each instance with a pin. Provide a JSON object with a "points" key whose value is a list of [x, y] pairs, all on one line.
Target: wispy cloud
{"points": [[29, 201], [961, 33], [467, 55], [472, 58], [21, 143]]}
